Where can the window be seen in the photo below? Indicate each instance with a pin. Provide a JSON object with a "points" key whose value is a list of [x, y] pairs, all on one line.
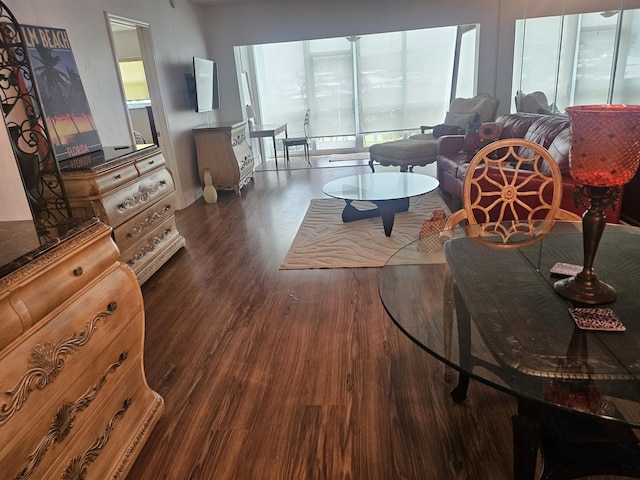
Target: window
{"points": [[364, 89], [582, 59]]}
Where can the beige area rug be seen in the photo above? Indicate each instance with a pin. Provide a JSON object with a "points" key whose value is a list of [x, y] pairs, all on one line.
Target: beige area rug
{"points": [[325, 241]]}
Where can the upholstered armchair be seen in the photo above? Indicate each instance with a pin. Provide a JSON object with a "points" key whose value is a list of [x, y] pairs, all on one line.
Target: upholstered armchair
{"points": [[422, 149]]}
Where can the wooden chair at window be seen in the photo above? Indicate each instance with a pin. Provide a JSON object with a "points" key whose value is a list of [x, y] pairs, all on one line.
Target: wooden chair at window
{"points": [[303, 140]]}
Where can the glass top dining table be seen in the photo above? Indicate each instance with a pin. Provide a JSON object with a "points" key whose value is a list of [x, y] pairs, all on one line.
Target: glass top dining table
{"points": [[471, 302]]}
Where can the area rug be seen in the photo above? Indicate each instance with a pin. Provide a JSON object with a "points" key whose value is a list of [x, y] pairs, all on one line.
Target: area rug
{"points": [[325, 241]]}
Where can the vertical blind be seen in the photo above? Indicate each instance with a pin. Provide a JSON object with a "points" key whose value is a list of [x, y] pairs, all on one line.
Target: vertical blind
{"points": [[371, 83], [581, 59]]}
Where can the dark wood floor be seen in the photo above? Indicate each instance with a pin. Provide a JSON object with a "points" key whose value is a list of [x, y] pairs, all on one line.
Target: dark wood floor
{"points": [[270, 374]]}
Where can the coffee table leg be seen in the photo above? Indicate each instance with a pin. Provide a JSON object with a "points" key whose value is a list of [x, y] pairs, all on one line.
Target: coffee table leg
{"points": [[351, 213], [386, 209], [388, 213]]}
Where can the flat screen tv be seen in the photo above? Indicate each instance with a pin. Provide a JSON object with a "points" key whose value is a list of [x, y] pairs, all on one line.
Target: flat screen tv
{"points": [[205, 74]]}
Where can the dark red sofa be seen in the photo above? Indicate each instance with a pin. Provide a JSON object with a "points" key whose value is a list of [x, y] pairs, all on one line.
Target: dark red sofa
{"points": [[552, 132]]}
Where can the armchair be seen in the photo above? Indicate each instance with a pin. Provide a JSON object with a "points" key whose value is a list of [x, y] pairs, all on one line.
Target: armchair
{"points": [[422, 149]]}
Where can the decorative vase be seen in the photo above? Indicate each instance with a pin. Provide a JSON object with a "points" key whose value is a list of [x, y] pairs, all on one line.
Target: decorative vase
{"points": [[210, 192]]}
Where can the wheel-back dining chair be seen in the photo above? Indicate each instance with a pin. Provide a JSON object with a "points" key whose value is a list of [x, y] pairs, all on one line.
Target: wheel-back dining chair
{"points": [[303, 140], [510, 197], [511, 187]]}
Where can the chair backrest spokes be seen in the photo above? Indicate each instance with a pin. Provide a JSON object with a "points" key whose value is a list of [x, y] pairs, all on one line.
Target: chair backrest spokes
{"points": [[511, 180], [511, 192]]}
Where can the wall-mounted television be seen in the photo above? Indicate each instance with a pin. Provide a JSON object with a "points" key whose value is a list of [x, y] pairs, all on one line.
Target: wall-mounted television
{"points": [[205, 75]]}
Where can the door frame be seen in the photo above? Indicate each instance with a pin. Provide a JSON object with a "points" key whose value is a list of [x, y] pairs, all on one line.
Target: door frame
{"points": [[158, 109]]}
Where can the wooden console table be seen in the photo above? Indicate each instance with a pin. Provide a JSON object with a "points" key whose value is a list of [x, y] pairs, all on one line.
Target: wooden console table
{"points": [[223, 149]]}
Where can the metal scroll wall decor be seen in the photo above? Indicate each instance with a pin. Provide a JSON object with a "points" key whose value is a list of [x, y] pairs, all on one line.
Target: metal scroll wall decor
{"points": [[25, 121]]}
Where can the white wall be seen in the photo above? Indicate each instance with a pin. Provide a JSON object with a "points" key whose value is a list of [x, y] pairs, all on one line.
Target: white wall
{"points": [[189, 29], [177, 37]]}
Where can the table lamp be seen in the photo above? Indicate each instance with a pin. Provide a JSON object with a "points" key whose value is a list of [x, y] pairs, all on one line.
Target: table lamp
{"points": [[604, 155]]}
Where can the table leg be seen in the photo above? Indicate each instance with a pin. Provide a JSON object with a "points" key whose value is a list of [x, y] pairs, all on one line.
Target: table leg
{"points": [[526, 439], [459, 394], [275, 152], [386, 209], [261, 147], [388, 214], [351, 213]]}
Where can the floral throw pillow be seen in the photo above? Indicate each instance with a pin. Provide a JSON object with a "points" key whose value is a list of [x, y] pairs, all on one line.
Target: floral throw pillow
{"points": [[481, 135]]}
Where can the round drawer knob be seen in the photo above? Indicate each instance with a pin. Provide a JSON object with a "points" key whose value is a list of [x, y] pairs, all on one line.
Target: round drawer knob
{"points": [[77, 271]]}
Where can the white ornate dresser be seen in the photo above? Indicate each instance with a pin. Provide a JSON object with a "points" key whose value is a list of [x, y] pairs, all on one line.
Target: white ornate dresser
{"points": [[224, 150]]}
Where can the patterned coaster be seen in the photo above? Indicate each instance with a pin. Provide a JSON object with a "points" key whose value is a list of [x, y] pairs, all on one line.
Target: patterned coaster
{"points": [[565, 269], [597, 319]]}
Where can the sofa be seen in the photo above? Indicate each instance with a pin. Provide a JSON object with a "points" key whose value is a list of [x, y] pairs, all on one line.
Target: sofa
{"points": [[549, 131]]}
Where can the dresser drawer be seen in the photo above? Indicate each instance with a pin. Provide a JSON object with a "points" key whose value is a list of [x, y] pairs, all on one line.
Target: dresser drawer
{"points": [[103, 449], [152, 244], [70, 358], [137, 227], [88, 185], [126, 202], [150, 163], [35, 290]]}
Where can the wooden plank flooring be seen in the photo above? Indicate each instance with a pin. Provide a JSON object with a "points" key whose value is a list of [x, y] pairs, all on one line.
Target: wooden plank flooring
{"points": [[270, 374]]}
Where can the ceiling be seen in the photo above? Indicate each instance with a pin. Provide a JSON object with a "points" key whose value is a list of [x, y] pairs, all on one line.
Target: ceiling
{"points": [[227, 2], [231, 2]]}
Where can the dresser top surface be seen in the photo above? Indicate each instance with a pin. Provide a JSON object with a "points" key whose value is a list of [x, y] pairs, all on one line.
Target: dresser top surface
{"points": [[221, 126], [107, 157], [23, 241]]}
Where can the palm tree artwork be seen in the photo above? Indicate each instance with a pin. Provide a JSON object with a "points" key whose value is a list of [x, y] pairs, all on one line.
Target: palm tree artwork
{"points": [[64, 102]]}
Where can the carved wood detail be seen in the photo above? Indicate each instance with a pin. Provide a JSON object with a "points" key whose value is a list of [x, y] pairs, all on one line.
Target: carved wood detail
{"points": [[47, 361]]}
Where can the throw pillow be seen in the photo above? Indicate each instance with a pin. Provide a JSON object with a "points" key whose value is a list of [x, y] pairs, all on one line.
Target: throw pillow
{"points": [[485, 134], [444, 129], [461, 120]]}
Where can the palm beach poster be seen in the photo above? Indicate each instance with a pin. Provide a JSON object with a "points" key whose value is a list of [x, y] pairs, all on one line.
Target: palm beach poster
{"points": [[64, 103]]}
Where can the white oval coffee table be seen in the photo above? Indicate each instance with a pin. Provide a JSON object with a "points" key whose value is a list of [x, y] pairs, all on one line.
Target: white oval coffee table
{"points": [[388, 191]]}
